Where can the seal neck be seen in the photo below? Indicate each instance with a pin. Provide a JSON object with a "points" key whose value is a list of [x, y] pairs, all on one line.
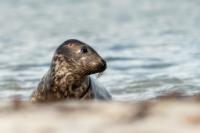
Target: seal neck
{"points": [[84, 94], [65, 82]]}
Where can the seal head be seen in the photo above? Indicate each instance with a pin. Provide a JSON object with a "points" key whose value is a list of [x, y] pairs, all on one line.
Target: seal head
{"points": [[68, 76], [81, 57]]}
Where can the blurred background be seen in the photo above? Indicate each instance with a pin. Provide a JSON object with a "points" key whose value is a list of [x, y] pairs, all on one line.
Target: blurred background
{"points": [[151, 46]]}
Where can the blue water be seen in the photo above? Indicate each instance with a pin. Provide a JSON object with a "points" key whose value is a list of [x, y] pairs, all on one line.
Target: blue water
{"points": [[152, 46]]}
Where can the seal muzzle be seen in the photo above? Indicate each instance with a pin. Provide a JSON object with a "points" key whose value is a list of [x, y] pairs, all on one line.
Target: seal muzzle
{"points": [[102, 66]]}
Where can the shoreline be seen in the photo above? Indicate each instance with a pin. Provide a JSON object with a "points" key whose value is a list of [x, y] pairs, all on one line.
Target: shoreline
{"points": [[164, 115]]}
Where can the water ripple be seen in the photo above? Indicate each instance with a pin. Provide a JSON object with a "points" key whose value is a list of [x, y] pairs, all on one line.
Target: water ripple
{"points": [[151, 47]]}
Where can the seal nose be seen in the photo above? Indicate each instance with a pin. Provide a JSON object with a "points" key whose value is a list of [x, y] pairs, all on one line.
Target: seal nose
{"points": [[103, 64]]}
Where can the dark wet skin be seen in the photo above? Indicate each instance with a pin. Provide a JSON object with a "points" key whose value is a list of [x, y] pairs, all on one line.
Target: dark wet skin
{"points": [[68, 76]]}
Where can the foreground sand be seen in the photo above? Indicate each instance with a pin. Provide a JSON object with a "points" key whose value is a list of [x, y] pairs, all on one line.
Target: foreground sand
{"points": [[169, 115]]}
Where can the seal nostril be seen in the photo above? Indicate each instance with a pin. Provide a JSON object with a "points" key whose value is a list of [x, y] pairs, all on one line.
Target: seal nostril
{"points": [[103, 63]]}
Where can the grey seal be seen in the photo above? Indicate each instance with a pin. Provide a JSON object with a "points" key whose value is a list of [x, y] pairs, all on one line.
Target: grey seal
{"points": [[68, 77]]}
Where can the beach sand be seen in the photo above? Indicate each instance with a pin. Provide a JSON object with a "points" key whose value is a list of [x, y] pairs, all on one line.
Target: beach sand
{"points": [[166, 115]]}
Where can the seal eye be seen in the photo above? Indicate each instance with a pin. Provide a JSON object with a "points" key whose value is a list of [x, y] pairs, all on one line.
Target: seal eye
{"points": [[84, 50]]}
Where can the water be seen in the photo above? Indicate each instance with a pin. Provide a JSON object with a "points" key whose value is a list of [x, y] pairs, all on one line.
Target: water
{"points": [[152, 47]]}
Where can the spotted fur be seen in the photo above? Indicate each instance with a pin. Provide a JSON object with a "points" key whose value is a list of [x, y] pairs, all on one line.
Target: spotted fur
{"points": [[68, 75]]}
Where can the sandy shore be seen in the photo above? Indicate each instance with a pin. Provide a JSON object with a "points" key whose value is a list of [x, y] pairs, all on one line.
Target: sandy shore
{"points": [[169, 115]]}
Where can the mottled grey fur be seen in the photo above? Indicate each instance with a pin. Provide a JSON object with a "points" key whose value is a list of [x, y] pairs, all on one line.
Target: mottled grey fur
{"points": [[68, 76]]}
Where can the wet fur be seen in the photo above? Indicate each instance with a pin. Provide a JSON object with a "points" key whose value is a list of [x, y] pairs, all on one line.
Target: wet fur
{"points": [[67, 78]]}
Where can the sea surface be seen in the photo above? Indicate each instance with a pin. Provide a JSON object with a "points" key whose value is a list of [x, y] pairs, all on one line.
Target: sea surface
{"points": [[152, 47]]}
